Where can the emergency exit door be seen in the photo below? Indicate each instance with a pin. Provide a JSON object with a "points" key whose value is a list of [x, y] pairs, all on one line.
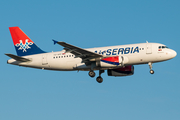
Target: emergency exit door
{"points": [[44, 60]]}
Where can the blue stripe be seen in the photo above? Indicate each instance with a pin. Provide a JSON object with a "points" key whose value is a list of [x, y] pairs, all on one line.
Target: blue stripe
{"points": [[113, 63]]}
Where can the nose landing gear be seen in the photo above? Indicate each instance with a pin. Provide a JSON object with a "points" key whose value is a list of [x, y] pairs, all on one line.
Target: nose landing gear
{"points": [[150, 66]]}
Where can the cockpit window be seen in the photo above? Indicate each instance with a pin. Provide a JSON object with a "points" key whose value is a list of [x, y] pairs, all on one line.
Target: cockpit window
{"points": [[162, 47]]}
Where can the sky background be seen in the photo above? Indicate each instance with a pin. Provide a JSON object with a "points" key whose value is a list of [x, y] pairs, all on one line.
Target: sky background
{"points": [[34, 94]]}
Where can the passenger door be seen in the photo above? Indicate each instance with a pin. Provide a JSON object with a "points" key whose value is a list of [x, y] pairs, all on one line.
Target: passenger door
{"points": [[148, 48]]}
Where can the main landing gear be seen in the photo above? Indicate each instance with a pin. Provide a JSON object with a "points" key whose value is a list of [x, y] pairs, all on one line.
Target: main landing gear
{"points": [[150, 66], [92, 73], [99, 79]]}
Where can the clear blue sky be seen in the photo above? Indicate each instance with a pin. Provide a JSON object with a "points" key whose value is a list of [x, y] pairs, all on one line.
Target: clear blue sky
{"points": [[33, 94]]}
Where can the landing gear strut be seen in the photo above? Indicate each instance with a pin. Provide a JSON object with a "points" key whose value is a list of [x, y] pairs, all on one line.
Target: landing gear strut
{"points": [[99, 79], [91, 72], [150, 66]]}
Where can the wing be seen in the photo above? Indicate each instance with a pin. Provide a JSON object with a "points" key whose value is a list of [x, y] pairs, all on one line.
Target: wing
{"points": [[79, 52]]}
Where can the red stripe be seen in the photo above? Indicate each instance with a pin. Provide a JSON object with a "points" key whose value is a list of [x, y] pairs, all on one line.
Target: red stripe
{"points": [[112, 59]]}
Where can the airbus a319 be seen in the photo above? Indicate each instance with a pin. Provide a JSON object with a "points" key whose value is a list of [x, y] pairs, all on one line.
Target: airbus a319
{"points": [[117, 60]]}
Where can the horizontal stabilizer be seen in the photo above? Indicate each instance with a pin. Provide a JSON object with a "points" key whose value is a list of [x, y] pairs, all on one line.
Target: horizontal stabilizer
{"points": [[17, 58]]}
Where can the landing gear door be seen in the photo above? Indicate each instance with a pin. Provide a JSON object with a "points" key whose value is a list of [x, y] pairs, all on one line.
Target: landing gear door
{"points": [[148, 48], [44, 60]]}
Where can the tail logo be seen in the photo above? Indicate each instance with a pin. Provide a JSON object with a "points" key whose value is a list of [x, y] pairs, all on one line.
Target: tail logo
{"points": [[24, 46]]}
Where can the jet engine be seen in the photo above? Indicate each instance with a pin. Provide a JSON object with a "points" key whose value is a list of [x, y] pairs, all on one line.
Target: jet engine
{"points": [[124, 71]]}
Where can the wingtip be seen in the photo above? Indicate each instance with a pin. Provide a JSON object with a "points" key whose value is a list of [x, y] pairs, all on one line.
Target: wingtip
{"points": [[54, 41]]}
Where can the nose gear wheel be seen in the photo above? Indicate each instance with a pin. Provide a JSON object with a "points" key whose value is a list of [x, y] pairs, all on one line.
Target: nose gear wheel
{"points": [[150, 66]]}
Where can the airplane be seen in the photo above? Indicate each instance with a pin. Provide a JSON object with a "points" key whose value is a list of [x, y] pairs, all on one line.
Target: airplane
{"points": [[117, 60]]}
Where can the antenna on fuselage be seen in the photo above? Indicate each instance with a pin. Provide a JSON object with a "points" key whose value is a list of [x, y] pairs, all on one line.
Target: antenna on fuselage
{"points": [[146, 41]]}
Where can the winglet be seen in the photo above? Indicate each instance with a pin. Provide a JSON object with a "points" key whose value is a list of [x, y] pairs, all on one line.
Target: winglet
{"points": [[54, 41]]}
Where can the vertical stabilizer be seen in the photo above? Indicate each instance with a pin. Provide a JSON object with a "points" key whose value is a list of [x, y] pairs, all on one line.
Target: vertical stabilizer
{"points": [[23, 44]]}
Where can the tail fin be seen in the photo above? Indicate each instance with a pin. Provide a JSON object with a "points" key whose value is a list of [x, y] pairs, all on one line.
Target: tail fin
{"points": [[23, 44]]}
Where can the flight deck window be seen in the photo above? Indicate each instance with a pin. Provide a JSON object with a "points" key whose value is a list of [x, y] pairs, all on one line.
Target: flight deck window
{"points": [[162, 47]]}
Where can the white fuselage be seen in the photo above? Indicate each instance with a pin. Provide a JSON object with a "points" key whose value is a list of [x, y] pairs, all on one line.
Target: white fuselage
{"points": [[133, 54]]}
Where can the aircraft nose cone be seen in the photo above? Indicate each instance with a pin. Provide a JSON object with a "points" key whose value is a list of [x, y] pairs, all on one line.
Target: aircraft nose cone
{"points": [[173, 53]]}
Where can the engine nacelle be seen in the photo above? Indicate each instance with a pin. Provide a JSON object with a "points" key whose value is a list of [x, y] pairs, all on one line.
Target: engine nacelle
{"points": [[124, 71], [112, 61]]}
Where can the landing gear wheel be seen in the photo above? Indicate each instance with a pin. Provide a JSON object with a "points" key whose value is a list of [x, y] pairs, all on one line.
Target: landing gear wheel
{"points": [[99, 79], [92, 73], [152, 71], [150, 66]]}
